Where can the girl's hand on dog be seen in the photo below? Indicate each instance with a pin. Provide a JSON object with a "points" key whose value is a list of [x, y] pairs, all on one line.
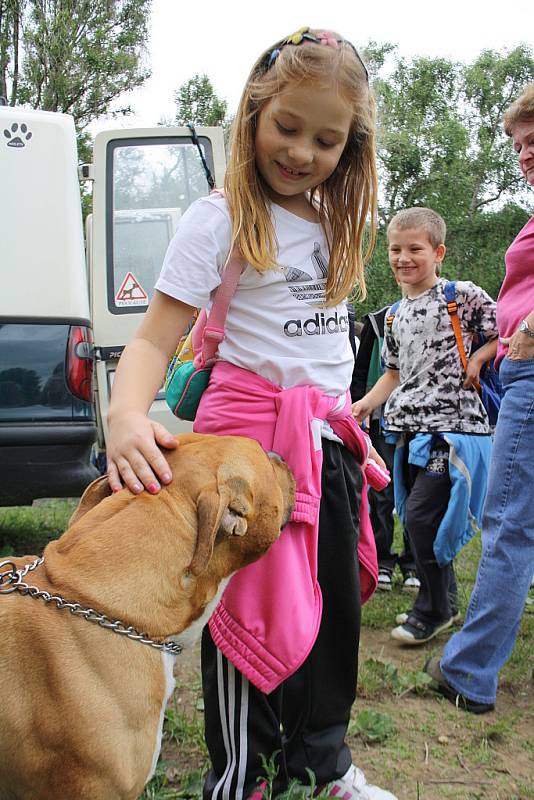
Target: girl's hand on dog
{"points": [[133, 453]]}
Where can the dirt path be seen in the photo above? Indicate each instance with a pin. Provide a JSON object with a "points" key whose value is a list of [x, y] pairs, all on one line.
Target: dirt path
{"points": [[438, 752]]}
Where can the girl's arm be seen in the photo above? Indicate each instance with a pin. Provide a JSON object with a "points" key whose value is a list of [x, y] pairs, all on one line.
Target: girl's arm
{"points": [[132, 445], [377, 395]]}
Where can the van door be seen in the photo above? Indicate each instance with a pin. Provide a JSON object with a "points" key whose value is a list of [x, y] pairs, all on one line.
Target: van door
{"points": [[144, 180]]}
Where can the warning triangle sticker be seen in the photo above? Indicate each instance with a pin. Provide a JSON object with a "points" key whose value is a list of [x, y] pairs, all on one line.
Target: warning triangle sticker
{"points": [[131, 293]]}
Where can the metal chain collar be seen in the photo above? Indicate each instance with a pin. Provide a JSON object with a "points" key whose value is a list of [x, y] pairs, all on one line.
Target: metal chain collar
{"points": [[12, 581]]}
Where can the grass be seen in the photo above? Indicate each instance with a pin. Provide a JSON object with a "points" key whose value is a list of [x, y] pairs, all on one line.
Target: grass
{"points": [[25, 530], [401, 732]]}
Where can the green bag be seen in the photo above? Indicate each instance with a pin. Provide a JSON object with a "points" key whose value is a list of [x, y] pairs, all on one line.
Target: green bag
{"points": [[189, 370], [185, 383]]}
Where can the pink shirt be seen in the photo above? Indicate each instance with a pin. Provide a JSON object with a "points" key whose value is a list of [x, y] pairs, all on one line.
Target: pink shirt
{"points": [[516, 298]]}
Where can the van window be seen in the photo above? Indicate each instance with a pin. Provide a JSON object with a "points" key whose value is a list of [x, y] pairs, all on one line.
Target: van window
{"points": [[150, 183]]}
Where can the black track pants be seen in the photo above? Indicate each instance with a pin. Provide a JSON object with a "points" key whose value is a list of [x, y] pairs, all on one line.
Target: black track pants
{"points": [[429, 495], [305, 719]]}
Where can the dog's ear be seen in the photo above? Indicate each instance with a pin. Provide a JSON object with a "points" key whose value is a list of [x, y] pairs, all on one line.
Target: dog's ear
{"points": [[220, 513], [96, 492]]}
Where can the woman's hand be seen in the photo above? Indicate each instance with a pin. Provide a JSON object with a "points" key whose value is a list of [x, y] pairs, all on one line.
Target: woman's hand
{"points": [[133, 454], [520, 346]]}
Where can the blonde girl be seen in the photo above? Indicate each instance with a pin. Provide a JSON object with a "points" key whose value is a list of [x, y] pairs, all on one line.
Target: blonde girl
{"points": [[279, 656]]}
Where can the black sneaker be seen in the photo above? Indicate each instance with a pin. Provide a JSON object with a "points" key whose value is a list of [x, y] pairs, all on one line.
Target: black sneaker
{"points": [[414, 632], [432, 668]]}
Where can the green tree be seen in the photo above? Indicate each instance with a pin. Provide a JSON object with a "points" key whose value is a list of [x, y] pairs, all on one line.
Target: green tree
{"points": [[10, 34], [441, 144], [73, 56], [197, 102]]}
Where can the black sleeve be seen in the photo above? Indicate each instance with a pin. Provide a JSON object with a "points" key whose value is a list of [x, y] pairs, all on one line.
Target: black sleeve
{"points": [[363, 359]]}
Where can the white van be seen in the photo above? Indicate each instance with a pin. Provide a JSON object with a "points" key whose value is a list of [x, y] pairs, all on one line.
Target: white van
{"points": [[54, 301], [144, 180], [47, 414]]}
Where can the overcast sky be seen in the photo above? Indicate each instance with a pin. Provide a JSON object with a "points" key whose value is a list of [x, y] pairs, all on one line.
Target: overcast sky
{"points": [[223, 39]]}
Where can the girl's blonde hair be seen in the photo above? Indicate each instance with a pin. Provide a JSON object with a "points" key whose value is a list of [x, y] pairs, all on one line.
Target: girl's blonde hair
{"points": [[346, 199]]}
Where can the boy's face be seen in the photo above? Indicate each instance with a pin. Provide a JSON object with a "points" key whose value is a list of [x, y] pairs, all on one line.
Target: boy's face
{"points": [[413, 259]]}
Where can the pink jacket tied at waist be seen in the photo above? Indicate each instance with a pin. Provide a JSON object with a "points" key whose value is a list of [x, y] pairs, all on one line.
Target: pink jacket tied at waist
{"points": [[268, 618]]}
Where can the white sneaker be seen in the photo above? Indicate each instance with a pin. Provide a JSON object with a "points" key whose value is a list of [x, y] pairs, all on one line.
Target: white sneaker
{"points": [[411, 583], [353, 786], [384, 580]]}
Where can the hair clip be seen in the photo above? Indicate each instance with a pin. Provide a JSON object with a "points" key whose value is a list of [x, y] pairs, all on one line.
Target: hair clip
{"points": [[272, 58], [326, 38], [298, 36]]}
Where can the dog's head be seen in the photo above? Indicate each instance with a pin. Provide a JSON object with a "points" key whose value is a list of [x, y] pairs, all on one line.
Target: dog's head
{"points": [[237, 491], [226, 505], [243, 498]]}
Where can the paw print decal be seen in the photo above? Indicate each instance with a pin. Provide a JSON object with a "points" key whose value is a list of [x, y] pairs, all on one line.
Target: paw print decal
{"points": [[14, 139]]}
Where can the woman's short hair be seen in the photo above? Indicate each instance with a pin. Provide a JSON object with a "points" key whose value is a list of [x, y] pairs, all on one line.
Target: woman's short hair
{"points": [[521, 110]]}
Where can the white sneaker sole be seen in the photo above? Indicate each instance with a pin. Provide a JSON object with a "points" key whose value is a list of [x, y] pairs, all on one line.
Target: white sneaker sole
{"points": [[400, 619], [383, 587], [411, 587], [405, 637]]}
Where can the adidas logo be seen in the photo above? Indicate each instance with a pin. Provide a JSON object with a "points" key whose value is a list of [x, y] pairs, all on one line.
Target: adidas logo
{"points": [[309, 287], [318, 325]]}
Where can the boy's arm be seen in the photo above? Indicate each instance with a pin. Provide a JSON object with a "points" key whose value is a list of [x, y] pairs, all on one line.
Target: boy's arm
{"points": [[377, 396], [477, 360]]}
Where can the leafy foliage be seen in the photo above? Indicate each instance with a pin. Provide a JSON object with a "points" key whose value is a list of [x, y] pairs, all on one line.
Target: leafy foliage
{"points": [[72, 56], [441, 145], [197, 102], [372, 726], [379, 677]]}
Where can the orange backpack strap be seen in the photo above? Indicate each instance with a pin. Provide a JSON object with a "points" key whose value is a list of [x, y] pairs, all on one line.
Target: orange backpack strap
{"points": [[452, 308], [390, 316]]}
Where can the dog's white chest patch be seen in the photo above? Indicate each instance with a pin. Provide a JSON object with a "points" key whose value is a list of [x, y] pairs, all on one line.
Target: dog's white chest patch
{"points": [[188, 637], [168, 666]]}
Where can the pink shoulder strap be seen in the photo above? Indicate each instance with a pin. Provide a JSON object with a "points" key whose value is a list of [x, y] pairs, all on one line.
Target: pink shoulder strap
{"points": [[208, 332], [212, 333]]}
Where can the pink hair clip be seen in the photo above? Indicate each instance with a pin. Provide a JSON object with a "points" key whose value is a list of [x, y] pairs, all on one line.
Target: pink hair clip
{"points": [[328, 39]]}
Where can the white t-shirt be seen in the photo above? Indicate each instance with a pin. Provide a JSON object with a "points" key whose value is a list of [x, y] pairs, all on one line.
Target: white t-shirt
{"points": [[277, 325]]}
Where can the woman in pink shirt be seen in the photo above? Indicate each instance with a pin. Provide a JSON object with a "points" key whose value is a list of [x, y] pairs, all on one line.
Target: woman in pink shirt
{"points": [[467, 672]]}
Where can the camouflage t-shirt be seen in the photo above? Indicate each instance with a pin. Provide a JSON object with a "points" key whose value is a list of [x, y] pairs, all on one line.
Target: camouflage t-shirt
{"points": [[422, 346]]}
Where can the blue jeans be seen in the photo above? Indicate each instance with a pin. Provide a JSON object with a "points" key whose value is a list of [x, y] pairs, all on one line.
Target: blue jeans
{"points": [[473, 657]]}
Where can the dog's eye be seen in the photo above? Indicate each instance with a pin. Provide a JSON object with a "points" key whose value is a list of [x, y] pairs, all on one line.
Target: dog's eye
{"points": [[238, 510]]}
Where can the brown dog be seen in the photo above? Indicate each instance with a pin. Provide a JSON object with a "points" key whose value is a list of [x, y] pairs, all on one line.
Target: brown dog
{"points": [[82, 707]]}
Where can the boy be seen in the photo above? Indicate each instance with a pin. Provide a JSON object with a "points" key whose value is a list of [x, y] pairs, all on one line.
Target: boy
{"points": [[434, 413]]}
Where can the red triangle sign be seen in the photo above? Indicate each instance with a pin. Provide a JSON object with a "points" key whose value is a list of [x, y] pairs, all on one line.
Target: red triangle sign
{"points": [[131, 293]]}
